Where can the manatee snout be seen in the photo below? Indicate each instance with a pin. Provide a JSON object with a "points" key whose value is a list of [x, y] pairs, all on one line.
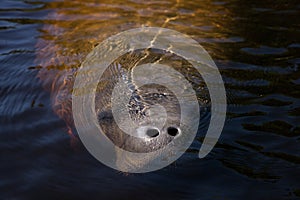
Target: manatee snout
{"points": [[147, 140], [144, 138]]}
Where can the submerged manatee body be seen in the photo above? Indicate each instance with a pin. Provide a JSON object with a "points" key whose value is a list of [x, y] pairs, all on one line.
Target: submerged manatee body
{"points": [[61, 49]]}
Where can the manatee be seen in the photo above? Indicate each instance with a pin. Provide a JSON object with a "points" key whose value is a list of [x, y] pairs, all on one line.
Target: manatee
{"points": [[151, 137], [61, 49]]}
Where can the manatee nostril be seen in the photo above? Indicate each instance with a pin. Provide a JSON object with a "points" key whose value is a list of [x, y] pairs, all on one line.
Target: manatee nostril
{"points": [[172, 131], [152, 132]]}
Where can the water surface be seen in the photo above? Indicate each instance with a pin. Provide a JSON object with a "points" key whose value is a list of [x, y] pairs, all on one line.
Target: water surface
{"points": [[255, 44]]}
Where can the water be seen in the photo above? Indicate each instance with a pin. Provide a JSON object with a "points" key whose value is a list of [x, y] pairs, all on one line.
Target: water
{"points": [[256, 47]]}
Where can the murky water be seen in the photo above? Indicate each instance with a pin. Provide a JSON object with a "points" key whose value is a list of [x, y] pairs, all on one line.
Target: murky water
{"points": [[255, 44]]}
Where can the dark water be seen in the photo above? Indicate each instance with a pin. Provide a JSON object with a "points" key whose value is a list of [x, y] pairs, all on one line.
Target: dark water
{"points": [[256, 47]]}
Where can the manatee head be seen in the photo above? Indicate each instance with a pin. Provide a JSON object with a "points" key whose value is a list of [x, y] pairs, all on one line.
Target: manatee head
{"points": [[154, 116], [144, 118]]}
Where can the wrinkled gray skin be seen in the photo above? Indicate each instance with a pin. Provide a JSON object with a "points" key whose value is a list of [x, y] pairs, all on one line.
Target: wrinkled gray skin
{"points": [[138, 107], [141, 100], [158, 95]]}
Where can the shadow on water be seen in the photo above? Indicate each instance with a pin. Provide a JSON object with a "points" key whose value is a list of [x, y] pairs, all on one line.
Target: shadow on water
{"points": [[255, 44]]}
